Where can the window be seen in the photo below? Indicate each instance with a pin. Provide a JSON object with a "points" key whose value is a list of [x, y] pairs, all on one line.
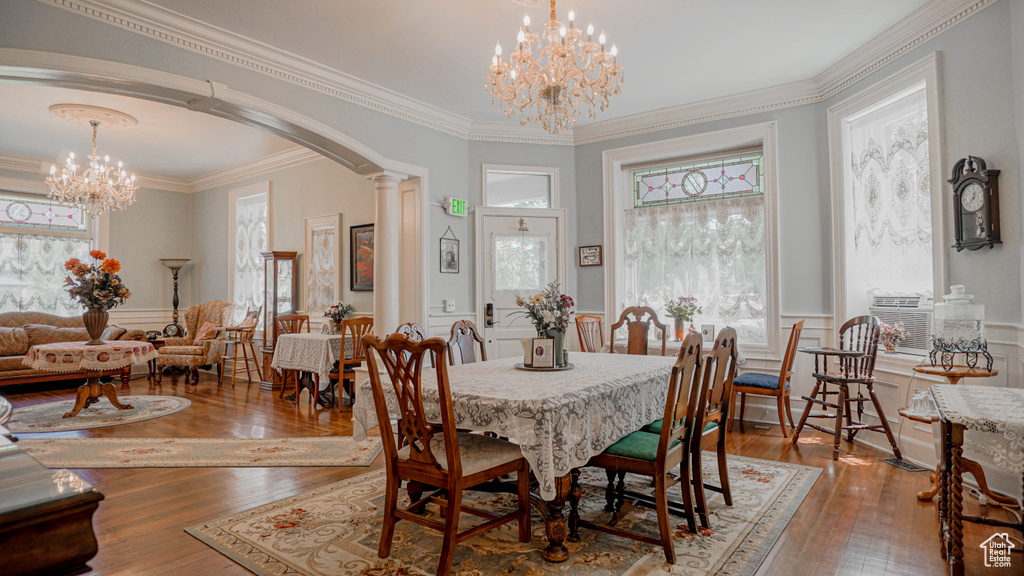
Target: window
{"points": [[697, 229], [249, 214], [884, 175], [37, 236], [696, 216], [520, 187]]}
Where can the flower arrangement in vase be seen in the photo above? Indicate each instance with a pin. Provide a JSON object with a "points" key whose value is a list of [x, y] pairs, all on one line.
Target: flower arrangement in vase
{"points": [[891, 336], [682, 309], [97, 287], [337, 313], [549, 312]]}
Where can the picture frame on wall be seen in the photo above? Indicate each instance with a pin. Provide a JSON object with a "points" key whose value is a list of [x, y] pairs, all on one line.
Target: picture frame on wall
{"points": [[590, 255], [361, 258], [707, 332], [449, 256]]}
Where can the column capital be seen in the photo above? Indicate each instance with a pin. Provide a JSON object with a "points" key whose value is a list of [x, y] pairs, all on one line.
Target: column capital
{"points": [[387, 177]]}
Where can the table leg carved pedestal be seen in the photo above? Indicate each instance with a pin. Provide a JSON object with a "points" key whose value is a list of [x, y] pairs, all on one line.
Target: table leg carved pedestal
{"points": [[90, 392]]}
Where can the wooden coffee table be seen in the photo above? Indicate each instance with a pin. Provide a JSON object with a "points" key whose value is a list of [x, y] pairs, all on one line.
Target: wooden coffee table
{"points": [[94, 360]]}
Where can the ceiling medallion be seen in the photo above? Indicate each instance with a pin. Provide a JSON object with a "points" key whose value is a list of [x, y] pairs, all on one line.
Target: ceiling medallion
{"points": [[99, 188], [567, 75]]}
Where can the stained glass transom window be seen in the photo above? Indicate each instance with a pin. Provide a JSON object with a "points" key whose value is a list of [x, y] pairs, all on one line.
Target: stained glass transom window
{"points": [[689, 182], [40, 212]]}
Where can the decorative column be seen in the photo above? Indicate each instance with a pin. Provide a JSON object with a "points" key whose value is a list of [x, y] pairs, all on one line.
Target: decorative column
{"points": [[385, 253]]}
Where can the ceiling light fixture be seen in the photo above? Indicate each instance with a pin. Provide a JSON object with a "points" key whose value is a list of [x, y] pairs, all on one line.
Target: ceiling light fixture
{"points": [[99, 188], [567, 75]]}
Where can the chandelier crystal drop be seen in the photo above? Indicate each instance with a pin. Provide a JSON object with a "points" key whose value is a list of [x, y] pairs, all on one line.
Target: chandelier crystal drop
{"points": [[564, 77], [98, 189]]}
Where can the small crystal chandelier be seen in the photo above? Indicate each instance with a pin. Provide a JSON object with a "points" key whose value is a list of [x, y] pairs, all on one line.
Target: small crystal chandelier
{"points": [[99, 188], [568, 74]]}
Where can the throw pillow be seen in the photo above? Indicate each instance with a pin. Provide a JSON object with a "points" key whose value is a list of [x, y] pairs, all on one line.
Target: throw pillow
{"points": [[13, 341], [44, 334], [112, 333], [205, 332]]}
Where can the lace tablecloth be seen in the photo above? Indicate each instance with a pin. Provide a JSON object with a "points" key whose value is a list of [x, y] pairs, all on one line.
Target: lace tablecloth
{"points": [[309, 352], [993, 419], [73, 356], [560, 419]]}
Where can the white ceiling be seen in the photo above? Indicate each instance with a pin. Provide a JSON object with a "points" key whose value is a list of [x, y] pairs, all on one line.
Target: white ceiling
{"points": [[168, 141], [674, 51]]}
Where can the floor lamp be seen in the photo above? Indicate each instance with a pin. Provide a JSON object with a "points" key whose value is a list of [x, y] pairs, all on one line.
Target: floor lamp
{"points": [[174, 329]]}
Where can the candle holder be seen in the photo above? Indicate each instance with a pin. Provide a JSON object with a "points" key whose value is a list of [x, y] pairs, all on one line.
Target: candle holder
{"points": [[174, 329]]}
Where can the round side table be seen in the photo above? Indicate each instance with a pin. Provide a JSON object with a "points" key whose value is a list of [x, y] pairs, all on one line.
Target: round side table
{"points": [[94, 360], [954, 375]]}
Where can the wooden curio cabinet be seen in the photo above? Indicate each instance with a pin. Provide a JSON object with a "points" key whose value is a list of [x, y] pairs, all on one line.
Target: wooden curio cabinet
{"points": [[279, 292]]}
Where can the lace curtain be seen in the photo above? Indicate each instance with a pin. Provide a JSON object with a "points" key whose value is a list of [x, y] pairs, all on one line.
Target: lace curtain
{"points": [[714, 250], [250, 241], [888, 201], [32, 272], [320, 291]]}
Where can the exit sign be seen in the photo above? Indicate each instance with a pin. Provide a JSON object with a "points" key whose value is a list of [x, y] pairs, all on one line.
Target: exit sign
{"points": [[456, 207]]}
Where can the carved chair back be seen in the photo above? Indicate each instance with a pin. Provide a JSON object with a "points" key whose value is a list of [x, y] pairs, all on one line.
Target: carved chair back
{"points": [[292, 323], [402, 358], [859, 334], [638, 329], [355, 329], [787, 360], [591, 333], [680, 406], [415, 332], [464, 340], [716, 390]]}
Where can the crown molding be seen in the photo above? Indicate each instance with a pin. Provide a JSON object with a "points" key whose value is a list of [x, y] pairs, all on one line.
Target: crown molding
{"points": [[167, 26], [23, 185], [145, 18], [42, 166], [286, 159]]}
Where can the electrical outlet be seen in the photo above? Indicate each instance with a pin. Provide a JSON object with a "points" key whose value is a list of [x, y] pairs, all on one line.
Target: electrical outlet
{"points": [[449, 305]]}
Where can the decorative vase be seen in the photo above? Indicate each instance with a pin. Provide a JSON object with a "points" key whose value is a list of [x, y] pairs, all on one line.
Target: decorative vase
{"points": [[337, 327], [559, 337], [679, 329], [95, 320], [890, 343]]}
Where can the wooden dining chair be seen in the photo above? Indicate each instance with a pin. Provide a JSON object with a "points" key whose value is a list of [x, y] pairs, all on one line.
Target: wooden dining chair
{"points": [[590, 331], [638, 330], [859, 334], [352, 330], [772, 385], [710, 419], [290, 324], [654, 455], [464, 340], [425, 454], [415, 332]]}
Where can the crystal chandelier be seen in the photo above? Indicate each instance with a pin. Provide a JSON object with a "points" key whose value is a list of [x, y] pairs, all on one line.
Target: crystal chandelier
{"points": [[98, 189], [566, 75]]}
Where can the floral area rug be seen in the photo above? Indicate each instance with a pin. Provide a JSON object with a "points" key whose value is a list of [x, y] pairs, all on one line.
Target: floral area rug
{"points": [[200, 452], [336, 530], [49, 416]]}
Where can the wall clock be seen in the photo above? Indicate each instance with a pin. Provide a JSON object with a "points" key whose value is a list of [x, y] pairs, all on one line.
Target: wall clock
{"points": [[975, 204]]}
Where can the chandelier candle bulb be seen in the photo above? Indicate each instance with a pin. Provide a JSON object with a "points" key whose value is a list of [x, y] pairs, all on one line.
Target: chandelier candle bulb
{"points": [[590, 32]]}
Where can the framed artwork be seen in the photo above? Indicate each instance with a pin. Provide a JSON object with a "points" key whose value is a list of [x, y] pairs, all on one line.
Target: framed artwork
{"points": [[361, 258], [449, 256], [590, 255], [707, 331], [322, 263], [543, 352]]}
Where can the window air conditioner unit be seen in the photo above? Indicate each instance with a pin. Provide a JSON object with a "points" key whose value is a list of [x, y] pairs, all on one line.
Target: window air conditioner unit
{"points": [[914, 312]]}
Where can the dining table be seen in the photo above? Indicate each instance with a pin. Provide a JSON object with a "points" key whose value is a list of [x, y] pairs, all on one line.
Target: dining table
{"points": [[559, 418], [311, 352]]}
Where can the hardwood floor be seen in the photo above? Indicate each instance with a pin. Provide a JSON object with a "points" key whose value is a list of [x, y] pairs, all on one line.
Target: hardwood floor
{"points": [[860, 518]]}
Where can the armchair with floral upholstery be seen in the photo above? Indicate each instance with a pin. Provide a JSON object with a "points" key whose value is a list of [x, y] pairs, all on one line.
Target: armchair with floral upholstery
{"points": [[203, 345]]}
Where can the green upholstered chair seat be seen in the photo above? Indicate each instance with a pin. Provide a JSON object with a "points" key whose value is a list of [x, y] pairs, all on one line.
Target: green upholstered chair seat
{"points": [[655, 427], [640, 445]]}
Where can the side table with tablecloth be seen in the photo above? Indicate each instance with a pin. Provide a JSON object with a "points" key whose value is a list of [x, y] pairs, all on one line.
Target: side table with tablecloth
{"points": [[310, 352], [94, 359]]}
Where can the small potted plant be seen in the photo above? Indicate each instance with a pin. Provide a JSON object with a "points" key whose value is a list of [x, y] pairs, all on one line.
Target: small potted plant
{"points": [[337, 313], [892, 335], [97, 287], [682, 309]]}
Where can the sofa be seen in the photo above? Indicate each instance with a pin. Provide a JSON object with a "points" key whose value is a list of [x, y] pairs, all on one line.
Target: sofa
{"points": [[21, 330]]}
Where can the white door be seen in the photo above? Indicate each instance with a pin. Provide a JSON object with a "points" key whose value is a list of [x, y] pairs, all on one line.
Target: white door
{"points": [[519, 251]]}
